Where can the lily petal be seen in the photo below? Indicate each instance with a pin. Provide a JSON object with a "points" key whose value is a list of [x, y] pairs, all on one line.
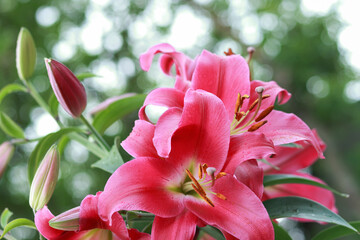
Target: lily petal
{"points": [[272, 89], [250, 174]]}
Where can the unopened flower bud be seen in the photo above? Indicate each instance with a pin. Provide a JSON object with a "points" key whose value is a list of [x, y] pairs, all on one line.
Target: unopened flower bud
{"points": [[6, 152], [67, 221], [43, 184], [67, 88], [25, 54]]}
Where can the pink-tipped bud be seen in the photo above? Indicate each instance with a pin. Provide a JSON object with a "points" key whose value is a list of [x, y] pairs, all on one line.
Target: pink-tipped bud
{"points": [[67, 88], [67, 221], [43, 184], [6, 152]]}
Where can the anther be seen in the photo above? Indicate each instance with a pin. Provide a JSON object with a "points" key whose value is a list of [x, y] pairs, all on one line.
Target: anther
{"points": [[256, 126], [200, 172], [239, 115], [219, 195], [220, 174], [253, 104], [229, 52], [238, 103], [264, 113], [197, 184]]}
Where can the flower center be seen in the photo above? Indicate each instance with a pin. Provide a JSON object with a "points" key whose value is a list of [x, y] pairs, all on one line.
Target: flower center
{"points": [[248, 121], [202, 186]]}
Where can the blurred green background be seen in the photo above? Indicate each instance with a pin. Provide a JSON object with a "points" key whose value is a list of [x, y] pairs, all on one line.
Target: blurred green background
{"points": [[300, 44]]}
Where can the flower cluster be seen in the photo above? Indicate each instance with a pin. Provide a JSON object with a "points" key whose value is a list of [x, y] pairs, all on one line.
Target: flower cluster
{"points": [[202, 158]]}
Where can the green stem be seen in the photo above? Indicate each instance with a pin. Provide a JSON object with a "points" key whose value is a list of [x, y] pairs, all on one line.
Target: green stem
{"points": [[37, 97], [94, 148], [96, 133]]}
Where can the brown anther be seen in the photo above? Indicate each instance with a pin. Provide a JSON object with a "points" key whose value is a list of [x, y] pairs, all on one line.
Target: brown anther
{"points": [[219, 195], [256, 126], [253, 104], [238, 103], [265, 96], [239, 115], [264, 113], [204, 167], [203, 196], [197, 184], [229, 52], [200, 172], [220, 175]]}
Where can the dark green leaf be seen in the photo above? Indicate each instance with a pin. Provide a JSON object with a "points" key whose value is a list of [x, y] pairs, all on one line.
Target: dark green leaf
{"points": [[42, 147], [20, 222], [116, 111], [336, 232], [274, 179], [280, 233], [215, 233], [5, 216], [112, 161], [10, 127], [293, 145], [53, 105], [303, 208], [11, 88], [82, 76]]}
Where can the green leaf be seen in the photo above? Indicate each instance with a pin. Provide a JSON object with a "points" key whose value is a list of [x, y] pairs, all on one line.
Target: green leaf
{"points": [[42, 147], [299, 207], [336, 232], [10, 127], [10, 88], [293, 145], [116, 111], [280, 233], [20, 222], [215, 233], [53, 105], [274, 179], [5, 216], [112, 161], [82, 76]]}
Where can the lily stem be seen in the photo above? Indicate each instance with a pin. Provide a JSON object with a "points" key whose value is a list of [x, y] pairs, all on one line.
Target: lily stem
{"points": [[97, 135]]}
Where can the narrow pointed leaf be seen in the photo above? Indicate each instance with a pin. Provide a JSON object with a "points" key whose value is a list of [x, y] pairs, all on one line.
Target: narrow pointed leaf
{"points": [[85, 75], [280, 233], [116, 111], [215, 233], [336, 232], [112, 161], [274, 179], [10, 88], [10, 127], [42, 147], [20, 222], [5, 216], [303, 208]]}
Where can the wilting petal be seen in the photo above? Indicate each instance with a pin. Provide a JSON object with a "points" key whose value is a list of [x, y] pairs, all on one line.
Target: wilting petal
{"points": [[250, 174], [290, 159], [272, 89], [141, 184], [139, 142], [223, 76], [242, 214], [182, 226], [247, 146], [167, 97], [317, 194], [284, 128]]}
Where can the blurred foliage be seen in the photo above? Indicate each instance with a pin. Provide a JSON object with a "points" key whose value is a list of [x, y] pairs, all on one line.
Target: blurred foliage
{"points": [[299, 51]]}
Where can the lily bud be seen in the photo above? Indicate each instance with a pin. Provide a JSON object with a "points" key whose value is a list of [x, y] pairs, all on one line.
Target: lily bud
{"points": [[25, 54], [67, 221], [43, 184], [67, 88], [6, 152]]}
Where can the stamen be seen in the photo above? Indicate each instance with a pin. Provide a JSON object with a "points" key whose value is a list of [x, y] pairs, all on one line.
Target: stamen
{"points": [[194, 180], [200, 172], [204, 166], [256, 126], [259, 89], [238, 103], [229, 52], [219, 195], [203, 196], [239, 115], [265, 96], [253, 104], [220, 175], [264, 113], [211, 171]]}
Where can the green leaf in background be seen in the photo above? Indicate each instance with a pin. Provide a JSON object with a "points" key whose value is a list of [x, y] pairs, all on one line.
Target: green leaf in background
{"points": [[336, 232], [10, 127], [274, 179], [10, 88], [42, 147], [116, 111], [215, 233], [82, 76], [5, 216], [53, 105], [299, 207], [20, 222], [112, 161], [280, 233]]}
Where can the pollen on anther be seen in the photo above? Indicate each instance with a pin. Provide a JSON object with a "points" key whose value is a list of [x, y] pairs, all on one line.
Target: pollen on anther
{"points": [[264, 113], [219, 195], [256, 126], [220, 174]]}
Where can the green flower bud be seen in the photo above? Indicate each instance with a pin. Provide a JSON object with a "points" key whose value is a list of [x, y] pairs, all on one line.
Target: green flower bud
{"points": [[25, 54], [43, 184]]}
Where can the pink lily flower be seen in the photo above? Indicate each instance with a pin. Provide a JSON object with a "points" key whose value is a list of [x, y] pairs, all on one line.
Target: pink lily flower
{"points": [[228, 78], [194, 186], [84, 223]]}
